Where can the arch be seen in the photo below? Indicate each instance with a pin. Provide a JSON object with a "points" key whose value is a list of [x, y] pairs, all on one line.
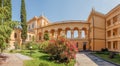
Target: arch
{"points": [[46, 31], [52, 33], [39, 35], [59, 32], [68, 32], [84, 32], [75, 32]]}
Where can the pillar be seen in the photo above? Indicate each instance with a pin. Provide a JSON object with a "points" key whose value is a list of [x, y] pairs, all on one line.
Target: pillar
{"points": [[55, 34], [79, 34], [111, 33], [72, 34], [63, 33]]}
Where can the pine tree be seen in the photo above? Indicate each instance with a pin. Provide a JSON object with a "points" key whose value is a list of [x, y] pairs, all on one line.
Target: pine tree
{"points": [[9, 8], [23, 21]]}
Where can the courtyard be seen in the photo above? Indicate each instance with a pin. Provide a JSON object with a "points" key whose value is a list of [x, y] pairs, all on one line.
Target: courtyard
{"points": [[59, 33]]}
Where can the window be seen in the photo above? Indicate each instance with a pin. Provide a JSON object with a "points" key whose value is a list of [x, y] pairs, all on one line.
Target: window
{"points": [[115, 19], [108, 23], [115, 45], [32, 25], [29, 27], [115, 32], [29, 37], [109, 45], [15, 35], [108, 33]]}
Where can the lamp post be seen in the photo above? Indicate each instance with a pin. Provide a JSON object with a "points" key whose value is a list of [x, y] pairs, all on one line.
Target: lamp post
{"points": [[30, 50]]}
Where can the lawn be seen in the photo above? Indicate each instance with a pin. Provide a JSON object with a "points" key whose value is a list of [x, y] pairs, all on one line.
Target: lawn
{"points": [[39, 57], [105, 56]]}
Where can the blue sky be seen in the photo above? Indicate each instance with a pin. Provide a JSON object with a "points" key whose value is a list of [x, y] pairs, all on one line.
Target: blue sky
{"points": [[59, 10]]}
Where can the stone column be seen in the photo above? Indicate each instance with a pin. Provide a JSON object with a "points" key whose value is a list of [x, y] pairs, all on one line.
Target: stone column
{"points": [[55, 34], [63, 33], [111, 33], [111, 21], [119, 31], [72, 34], [79, 34]]}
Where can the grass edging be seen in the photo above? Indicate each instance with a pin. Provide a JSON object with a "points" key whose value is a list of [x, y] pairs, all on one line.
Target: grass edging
{"points": [[106, 60]]}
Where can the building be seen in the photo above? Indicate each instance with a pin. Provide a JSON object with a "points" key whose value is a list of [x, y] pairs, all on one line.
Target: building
{"points": [[100, 30]]}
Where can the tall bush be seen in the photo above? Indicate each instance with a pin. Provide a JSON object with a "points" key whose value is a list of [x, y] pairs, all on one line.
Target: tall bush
{"points": [[61, 50]]}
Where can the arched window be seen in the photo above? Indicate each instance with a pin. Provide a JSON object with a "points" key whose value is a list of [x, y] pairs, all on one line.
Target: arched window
{"points": [[15, 35], [68, 34], [75, 33]]}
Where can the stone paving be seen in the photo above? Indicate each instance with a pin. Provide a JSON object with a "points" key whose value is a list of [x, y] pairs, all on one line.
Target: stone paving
{"points": [[83, 60], [99, 61], [86, 59], [15, 60]]}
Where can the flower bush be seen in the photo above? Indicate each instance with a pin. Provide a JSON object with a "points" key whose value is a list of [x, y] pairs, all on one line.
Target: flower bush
{"points": [[61, 50]]}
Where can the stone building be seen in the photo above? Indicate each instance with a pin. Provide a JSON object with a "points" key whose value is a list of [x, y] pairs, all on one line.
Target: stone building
{"points": [[100, 30]]}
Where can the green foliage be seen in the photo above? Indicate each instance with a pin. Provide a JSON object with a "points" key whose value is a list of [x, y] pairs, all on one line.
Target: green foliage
{"points": [[39, 57], [8, 15], [43, 45], [5, 32], [34, 45], [46, 36], [0, 3], [43, 64], [23, 21]]}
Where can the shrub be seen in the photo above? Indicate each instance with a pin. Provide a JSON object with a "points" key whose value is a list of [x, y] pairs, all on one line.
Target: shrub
{"points": [[61, 50], [43, 45], [33, 44], [46, 36], [43, 64], [104, 49]]}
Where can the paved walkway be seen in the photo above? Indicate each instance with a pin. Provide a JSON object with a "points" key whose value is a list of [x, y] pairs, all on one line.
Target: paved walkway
{"points": [[83, 60], [15, 60], [86, 59]]}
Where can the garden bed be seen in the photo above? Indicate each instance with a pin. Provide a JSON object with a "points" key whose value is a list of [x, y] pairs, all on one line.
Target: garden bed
{"points": [[106, 56], [41, 59]]}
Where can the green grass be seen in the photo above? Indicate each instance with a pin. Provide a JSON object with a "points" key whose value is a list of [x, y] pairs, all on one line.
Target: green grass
{"points": [[116, 59], [39, 57]]}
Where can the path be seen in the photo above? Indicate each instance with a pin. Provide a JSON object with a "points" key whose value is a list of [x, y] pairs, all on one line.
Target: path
{"points": [[86, 59], [15, 60]]}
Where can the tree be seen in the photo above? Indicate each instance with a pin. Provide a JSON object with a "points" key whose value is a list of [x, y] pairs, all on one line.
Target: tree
{"points": [[8, 4], [46, 36], [23, 21], [0, 10]]}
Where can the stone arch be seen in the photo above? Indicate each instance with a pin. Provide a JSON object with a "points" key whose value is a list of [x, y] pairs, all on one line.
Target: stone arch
{"points": [[84, 32], [52, 33], [68, 32], [59, 32], [39, 35], [75, 32]]}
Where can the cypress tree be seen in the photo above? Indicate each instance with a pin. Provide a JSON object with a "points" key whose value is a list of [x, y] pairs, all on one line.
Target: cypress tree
{"points": [[0, 3], [9, 8], [1, 14], [23, 21]]}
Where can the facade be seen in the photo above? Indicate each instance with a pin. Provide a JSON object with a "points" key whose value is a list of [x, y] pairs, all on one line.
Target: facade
{"points": [[100, 30]]}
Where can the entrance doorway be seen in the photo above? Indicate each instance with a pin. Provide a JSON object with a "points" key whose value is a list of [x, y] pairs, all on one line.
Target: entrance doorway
{"points": [[84, 45]]}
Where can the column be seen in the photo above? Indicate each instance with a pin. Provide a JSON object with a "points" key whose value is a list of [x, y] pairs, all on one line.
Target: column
{"points": [[63, 33], [79, 34], [118, 32], [111, 33], [55, 34], [72, 34], [111, 20]]}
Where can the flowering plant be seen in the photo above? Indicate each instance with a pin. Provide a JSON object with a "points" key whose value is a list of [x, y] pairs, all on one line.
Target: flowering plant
{"points": [[61, 50]]}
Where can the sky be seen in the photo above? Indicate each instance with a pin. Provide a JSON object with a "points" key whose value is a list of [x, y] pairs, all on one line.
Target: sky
{"points": [[59, 10]]}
